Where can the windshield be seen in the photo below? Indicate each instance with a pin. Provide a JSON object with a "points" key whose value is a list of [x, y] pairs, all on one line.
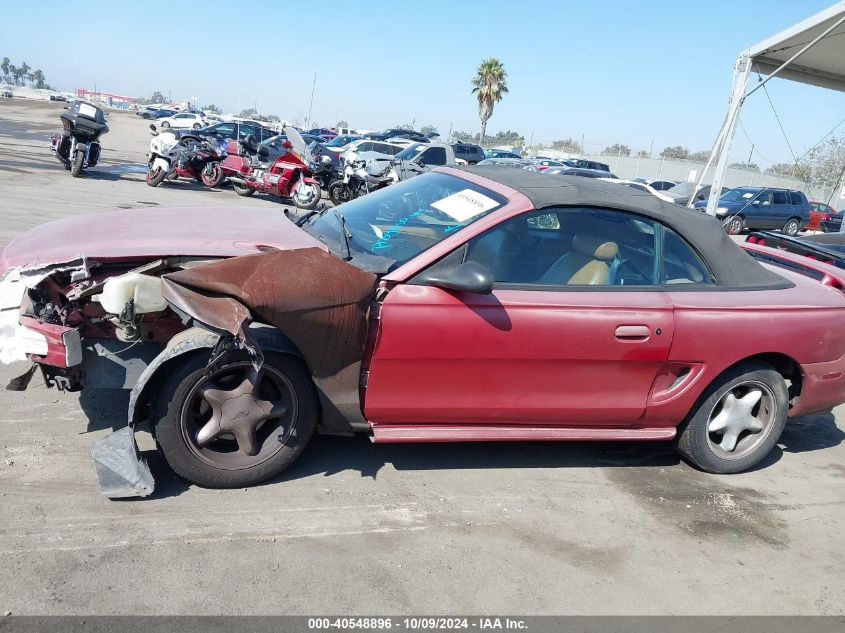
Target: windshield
{"points": [[409, 152], [738, 195], [393, 225]]}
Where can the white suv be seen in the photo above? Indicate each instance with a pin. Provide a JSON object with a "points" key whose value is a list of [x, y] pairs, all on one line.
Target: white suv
{"points": [[184, 121]]}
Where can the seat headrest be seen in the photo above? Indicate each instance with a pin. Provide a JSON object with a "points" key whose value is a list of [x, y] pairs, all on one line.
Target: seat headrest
{"points": [[594, 246]]}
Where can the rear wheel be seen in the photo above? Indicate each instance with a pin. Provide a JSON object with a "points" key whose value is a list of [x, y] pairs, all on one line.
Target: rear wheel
{"points": [[235, 427], [737, 420], [792, 226], [76, 165], [242, 190], [212, 174]]}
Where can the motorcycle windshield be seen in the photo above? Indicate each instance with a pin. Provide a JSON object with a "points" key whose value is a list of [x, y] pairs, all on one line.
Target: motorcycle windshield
{"points": [[298, 143]]}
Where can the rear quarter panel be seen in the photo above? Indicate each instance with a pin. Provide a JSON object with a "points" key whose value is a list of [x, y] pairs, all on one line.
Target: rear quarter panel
{"points": [[717, 329]]}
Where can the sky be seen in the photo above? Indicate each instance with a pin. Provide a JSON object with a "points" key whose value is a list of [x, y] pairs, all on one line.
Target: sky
{"points": [[647, 73]]}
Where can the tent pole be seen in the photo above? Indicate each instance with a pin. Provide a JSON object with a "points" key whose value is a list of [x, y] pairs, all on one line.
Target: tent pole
{"points": [[742, 71]]}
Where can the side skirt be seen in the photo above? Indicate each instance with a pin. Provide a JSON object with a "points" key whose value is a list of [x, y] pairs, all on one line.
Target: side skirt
{"points": [[472, 433]]}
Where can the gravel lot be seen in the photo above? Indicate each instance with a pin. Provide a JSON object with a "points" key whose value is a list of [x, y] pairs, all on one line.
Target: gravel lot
{"points": [[577, 528]]}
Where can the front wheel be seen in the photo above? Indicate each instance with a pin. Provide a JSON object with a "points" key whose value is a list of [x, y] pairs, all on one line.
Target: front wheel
{"points": [[791, 227], [155, 176], [165, 124], [76, 165], [737, 421], [340, 193], [235, 427], [197, 126], [212, 174], [306, 195], [735, 225]]}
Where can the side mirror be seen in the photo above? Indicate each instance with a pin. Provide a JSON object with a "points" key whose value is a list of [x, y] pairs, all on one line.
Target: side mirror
{"points": [[152, 127], [466, 277]]}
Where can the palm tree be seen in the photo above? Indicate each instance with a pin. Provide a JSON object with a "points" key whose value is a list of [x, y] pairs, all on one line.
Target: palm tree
{"points": [[38, 78], [489, 85], [5, 67], [23, 72]]}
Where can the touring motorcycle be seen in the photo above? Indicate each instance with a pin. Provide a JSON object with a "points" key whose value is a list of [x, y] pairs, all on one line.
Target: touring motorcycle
{"points": [[77, 146], [187, 156], [288, 176]]}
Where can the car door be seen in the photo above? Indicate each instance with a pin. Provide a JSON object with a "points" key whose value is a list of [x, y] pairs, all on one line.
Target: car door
{"points": [[781, 208], [574, 333]]}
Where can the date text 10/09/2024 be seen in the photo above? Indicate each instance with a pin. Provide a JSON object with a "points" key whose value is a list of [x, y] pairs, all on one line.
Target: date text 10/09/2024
{"points": [[417, 623]]}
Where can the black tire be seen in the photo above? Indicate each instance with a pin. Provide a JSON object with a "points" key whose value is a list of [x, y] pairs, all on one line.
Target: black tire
{"points": [[196, 126], [340, 193], [172, 431], [165, 124], [241, 190], [212, 174], [155, 176], [310, 203], [694, 440], [76, 165], [735, 225], [791, 228]]}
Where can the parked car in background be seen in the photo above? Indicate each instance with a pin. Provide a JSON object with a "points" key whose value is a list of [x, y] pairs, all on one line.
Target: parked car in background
{"points": [[58, 97], [518, 163], [468, 152], [684, 191], [818, 211], [234, 130], [580, 171], [639, 186], [184, 120], [420, 158], [582, 163], [832, 222], [657, 185], [322, 131], [162, 113], [341, 141], [752, 208], [366, 146], [499, 153], [396, 132], [545, 163]]}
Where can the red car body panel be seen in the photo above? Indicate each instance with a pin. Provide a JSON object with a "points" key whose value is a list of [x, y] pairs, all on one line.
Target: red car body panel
{"points": [[516, 357], [211, 232]]}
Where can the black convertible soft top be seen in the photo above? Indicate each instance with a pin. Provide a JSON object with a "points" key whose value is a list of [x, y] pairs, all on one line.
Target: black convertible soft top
{"points": [[730, 264]]}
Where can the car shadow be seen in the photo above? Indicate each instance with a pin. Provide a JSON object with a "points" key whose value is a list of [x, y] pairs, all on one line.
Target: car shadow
{"points": [[328, 455]]}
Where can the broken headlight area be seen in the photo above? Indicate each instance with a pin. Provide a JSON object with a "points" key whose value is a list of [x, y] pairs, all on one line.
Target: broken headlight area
{"points": [[72, 318]]}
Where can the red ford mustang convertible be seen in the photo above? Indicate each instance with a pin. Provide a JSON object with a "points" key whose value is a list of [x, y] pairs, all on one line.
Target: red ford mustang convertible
{"points": [[466, 304]]}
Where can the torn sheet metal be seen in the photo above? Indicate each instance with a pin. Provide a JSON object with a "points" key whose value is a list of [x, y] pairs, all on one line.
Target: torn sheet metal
{"points": [[317, 300], [121, 472]]}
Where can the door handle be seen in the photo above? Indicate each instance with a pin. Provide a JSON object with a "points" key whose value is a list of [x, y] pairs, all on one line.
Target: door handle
{"points": [[632, 332]]}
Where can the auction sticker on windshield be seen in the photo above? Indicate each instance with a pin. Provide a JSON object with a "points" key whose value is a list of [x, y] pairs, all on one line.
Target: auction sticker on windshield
{"points": [[465, 204]]}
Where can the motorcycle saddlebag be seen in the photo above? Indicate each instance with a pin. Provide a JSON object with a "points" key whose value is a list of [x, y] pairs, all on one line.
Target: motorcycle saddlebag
{"points": [[93, 154]]}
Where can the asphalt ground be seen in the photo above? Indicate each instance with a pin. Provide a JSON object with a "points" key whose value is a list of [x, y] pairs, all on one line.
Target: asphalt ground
{"points": [[357, 528]]}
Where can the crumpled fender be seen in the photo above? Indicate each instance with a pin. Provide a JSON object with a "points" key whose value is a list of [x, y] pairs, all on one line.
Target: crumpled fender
{"points": [[320, 302]]}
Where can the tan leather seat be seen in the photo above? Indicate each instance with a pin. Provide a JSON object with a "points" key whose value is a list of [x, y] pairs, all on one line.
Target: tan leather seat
{"points": [[588, 263]]}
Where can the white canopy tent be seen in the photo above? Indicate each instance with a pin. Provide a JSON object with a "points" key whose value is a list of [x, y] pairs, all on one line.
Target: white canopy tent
{"points": [[811, 52]]}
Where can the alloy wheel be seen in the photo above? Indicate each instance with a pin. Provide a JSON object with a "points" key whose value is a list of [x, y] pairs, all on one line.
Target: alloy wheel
{"points": [[741, 419], [238, 418]]}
